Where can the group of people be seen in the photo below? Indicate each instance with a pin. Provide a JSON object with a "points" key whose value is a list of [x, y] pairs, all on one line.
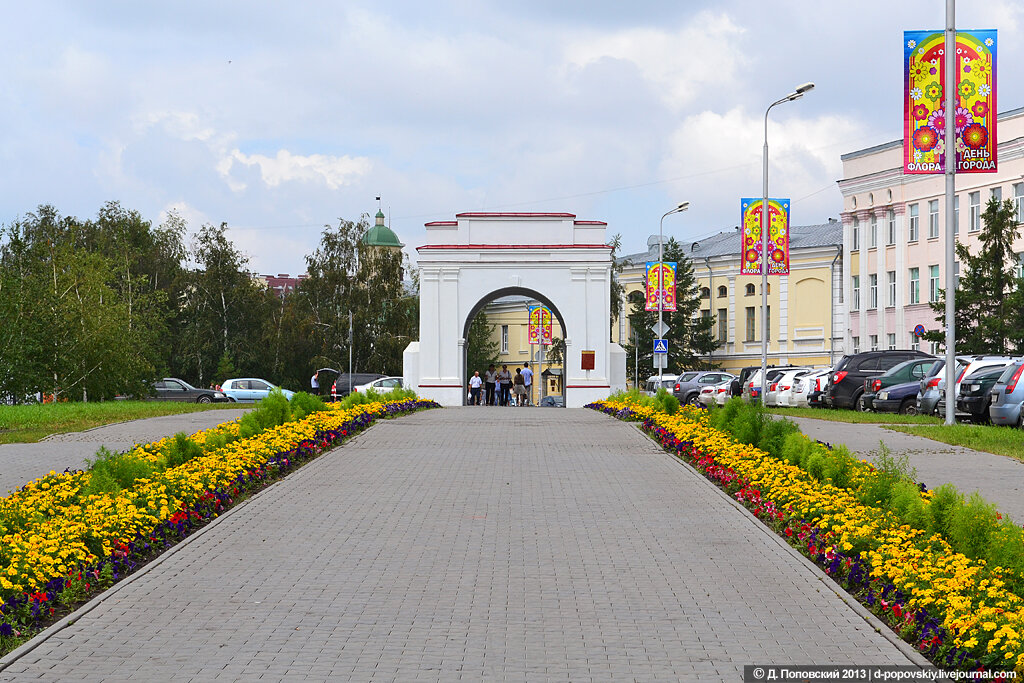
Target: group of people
{"points": [[501, 388]]}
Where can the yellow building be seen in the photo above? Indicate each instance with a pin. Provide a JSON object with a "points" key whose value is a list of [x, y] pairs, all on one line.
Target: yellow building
{"points": [[805, 308]]}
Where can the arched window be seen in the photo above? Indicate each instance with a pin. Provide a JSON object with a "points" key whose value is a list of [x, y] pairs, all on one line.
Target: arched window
{"points": [[750, 290], [723, 291], [705, 293]]}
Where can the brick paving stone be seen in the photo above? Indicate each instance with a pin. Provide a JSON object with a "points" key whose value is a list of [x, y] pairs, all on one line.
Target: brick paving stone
{"points": [[471, 544], [20, 463]]}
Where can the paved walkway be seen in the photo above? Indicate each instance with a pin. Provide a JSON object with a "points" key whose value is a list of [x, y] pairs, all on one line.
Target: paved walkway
{"points": [[999, 478], [22, 462], [471, 544]]}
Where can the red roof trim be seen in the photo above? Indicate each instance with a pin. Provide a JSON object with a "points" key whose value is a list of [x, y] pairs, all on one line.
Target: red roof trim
{"points": [[587, 386], [488, 214], [431, 223], [514, 246], [442, 386], [589, 223]]}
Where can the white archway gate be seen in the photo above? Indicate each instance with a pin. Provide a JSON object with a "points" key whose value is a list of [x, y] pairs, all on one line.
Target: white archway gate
{"points": [[479, 256]]}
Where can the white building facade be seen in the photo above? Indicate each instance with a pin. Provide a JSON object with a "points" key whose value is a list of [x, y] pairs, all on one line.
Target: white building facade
{"points": [[894, 236]]}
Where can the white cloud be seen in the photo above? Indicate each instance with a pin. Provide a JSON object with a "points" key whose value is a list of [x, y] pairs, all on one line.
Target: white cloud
{"points": [[680, 63], [332, 171]]}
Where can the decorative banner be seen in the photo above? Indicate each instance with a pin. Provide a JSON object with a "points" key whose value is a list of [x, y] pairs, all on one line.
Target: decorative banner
{"points": [[539, 331], [924, 102], [668, 280], [778, 236]]}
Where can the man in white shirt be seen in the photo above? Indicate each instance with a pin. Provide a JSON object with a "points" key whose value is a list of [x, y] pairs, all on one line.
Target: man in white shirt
{"points": [[474, 388]]}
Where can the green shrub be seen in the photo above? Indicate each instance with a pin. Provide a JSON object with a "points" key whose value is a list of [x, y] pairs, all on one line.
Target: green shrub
{"points": [[304, 404], [274, 410], [724, 417], [816, 464], [181, 450], [666, 402], [773, 434], [840, 466], [216, 440], [794, 449], [249, 426], [945, 499], [400, 394], [1006, 549], [746, 428], [906, 502], [110, 472], [970, 526], [877, 487]]}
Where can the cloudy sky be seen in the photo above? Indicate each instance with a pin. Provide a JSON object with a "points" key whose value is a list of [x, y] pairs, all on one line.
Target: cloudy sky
{"points": [[278, 118]]}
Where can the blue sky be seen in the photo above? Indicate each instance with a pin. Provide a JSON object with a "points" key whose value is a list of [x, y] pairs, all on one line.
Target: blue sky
{"points": [[278, 119]]}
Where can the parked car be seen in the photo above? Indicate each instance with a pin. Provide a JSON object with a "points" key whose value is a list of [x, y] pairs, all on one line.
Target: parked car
{"points": [[689, 384], [846, 383], [975, 393], [736, 388], [709, 394], [779, 394], [341, 386], [667, 382], [908, 371], [752, 387], [809, 390], [174, 389], [976, 363], [898, 398], [250, 389], [382, 385], [1008, 397]]}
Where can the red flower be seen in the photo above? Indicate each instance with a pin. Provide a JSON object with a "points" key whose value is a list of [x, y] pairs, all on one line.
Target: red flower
{"points": [[920, 112], [896, 612], [980, 108], [975, 136], [925, 138]]}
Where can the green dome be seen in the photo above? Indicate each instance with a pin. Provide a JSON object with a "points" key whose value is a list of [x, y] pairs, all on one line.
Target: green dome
{"points": [[381, 236]]}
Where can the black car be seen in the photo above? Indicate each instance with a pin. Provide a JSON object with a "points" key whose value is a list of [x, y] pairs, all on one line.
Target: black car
{"points": [[173, 389], [907, 371], [846, 383], [976, 393], [898, 398]]}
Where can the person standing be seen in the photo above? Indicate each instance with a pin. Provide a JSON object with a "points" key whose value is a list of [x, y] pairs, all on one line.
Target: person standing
{"points": [[519, 388], [505, 384], [474, 388], [490, 380], [528, 382], [314, 383]]}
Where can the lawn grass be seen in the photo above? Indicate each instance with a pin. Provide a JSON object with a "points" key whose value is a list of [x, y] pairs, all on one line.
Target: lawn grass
{"points": [[989, 438], [30, 423], [856, 416]]}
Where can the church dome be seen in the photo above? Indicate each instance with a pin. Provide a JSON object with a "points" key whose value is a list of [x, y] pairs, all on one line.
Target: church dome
{"points": [[381, 235]]}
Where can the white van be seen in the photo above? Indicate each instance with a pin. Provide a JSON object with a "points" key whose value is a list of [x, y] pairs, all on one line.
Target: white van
{"points": [[651, 385]]}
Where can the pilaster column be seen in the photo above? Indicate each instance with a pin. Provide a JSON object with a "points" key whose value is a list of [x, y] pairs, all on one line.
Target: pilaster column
{"points": [[864, 216]]}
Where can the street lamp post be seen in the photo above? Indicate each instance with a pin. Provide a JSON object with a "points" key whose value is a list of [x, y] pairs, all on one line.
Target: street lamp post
{"points": [[661, 285], [795, 95]]}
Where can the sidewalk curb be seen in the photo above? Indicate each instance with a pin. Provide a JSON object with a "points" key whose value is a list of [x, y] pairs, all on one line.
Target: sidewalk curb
{"points": [[69, 620], [915, 657]]}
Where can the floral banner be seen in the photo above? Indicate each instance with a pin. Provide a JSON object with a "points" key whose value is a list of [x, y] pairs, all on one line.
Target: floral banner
{"points": [[667, 292], [539, 331], [924, 102], [778, 236]]}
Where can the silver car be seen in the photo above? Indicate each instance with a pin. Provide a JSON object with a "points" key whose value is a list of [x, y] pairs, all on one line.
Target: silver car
{"points": [[1008, 397]]}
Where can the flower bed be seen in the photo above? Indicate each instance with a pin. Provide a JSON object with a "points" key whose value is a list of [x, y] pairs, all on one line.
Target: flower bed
{"points": [[957, 611], [58, 543]]}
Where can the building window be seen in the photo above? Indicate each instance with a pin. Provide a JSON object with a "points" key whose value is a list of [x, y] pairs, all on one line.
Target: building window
{"points": [[891, 281], [856, 292], [855, 235], [914, 218], [933, 219], [504, 338], [723, 291], [750, 290], [890, 340], [956, 215], [705, 293], [915, 285], [874, 342], [874, 231], [873, 291], [933, 283], [974, 212], [751, 323], [705, 314], [1019, 268], [1018, 199], [997, 193], [856, 344], [891, 236], [915, 342], [723, 325], [933, 348]]}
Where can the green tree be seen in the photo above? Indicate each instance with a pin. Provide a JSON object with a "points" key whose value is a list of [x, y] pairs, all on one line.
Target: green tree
{"points": [[481, 347], [989, 314], [617, 292], [690, 336]]}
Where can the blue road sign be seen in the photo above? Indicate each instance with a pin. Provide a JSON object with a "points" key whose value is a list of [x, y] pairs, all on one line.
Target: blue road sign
{"points": [[661, 345]]}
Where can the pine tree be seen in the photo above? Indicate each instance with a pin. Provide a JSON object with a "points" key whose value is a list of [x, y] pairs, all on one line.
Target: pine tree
{"points": [[690, 336], [989, 294]]}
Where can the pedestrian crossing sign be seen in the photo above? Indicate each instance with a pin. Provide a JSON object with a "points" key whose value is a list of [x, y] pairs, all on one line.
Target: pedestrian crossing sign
{"points": [[661, 346]]}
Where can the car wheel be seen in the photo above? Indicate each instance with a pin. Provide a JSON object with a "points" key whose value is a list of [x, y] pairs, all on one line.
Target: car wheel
{"points": [[203, 399], [693, 400], [909, 407], [858, 404]]}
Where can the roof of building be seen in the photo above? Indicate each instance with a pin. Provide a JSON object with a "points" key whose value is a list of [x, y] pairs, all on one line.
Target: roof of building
{"points": [[381, 235], [727, 243]]}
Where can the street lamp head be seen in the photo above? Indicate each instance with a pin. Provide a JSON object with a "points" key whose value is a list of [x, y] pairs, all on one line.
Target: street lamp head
{"points": [[683, 207], [806, 87]]}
